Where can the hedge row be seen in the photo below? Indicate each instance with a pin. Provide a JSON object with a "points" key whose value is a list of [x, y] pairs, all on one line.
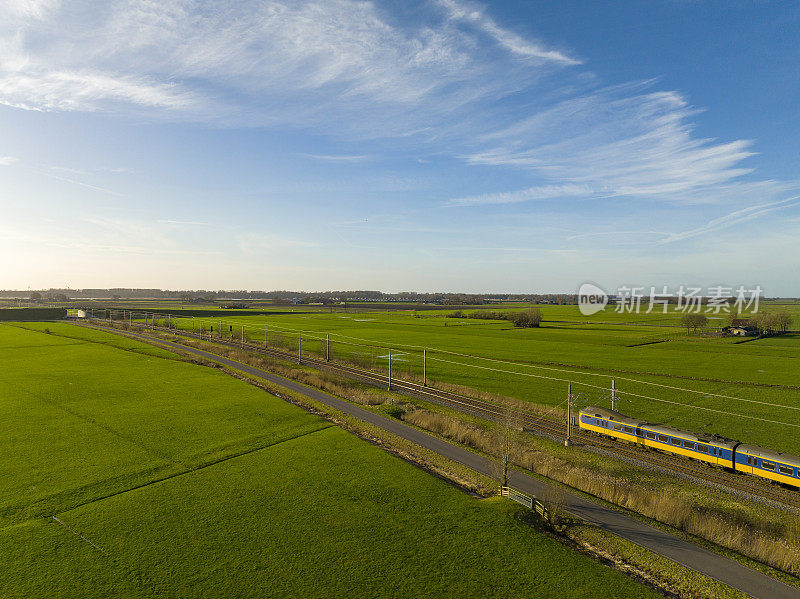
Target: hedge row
{"points": [[32, 313]]}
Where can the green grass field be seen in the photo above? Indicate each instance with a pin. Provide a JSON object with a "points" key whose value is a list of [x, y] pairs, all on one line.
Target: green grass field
{"points": [[170, 479], [748, 391]]}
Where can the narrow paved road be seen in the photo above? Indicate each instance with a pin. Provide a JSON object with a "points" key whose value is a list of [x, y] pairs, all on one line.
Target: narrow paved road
{"points": [[727, 571]]}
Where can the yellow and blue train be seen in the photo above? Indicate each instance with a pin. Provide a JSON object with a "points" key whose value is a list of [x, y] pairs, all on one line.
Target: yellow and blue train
{"points": [[712, 449]]}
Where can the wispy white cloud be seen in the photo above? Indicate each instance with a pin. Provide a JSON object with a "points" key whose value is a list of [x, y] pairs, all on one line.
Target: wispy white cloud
{"points": [[623, 143], [8, 160], [535, 250], [516, 44], [259, 62], [542, 192], [188, 223], [734, 218], [631, 235], [86, 90], [356, 70], [338, 158], [84, 185], [67, 169], [29, 8]]}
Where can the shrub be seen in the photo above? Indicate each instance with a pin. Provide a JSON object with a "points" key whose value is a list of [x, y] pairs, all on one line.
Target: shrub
{"points": [[532, 317], [395, 412]]}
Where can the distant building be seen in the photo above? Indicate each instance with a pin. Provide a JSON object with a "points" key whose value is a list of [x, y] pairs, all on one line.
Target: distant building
{"points": [[741, 331]]}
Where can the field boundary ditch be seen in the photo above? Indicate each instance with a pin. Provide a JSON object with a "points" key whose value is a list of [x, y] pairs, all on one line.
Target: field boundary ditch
{"points": [[196, 469]]}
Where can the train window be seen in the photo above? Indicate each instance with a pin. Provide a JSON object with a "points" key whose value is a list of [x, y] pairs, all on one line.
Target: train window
{"points": [[785, 470], [628, 429], [702, 448], [617, 427], [597, 416], [651, 435], [767, 465], [663, 438], [689, 444], [676, 441], [750, 460]]}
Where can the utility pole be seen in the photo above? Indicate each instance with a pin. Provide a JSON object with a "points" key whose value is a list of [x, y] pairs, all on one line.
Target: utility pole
{"points": [[265, 335], [242, 335], [192, 325], [299, 348], [327, 347], [613, 396], [390, 373], [424, 367], [568, 440]]}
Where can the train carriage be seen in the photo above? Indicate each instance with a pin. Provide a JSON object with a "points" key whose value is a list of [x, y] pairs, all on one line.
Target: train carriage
{"points": [[711, 449], [608, 422], [766, 463]]}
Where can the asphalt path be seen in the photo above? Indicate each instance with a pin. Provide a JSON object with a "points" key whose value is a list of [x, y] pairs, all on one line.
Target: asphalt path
{"points": [[718, 567]]}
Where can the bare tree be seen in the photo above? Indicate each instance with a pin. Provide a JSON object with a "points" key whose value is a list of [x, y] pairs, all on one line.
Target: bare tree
{"points": [[783, 320], [555, 500], [769, 323], [505, 442], [693, 321]]}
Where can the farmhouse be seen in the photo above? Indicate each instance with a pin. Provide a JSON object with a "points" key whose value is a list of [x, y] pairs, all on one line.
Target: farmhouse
{"points": [[741, 327]]}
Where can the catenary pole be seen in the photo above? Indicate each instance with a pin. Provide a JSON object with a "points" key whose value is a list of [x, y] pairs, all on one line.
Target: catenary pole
{"points": [[568, 440], [613, 395], [390, 372]]}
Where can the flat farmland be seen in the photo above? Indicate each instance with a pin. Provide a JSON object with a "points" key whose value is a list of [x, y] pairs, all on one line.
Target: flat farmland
{"points": [[744, 390], [130, 474]]}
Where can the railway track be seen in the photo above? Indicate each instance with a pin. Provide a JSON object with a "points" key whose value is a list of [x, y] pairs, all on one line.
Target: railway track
{"points": [[529, 421]]}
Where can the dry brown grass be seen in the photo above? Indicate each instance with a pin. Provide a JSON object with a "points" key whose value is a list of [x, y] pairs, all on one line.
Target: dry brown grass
{"points": [[775, 544]]}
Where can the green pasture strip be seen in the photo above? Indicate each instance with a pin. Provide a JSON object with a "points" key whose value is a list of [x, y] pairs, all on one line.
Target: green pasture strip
{"points": [[609, 348], [78, 333], [329, 515], [87, 420], [762, 372], [12, 336]]}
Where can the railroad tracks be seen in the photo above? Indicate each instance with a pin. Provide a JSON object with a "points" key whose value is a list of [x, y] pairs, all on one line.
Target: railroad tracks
{"points": [[529, 421]]}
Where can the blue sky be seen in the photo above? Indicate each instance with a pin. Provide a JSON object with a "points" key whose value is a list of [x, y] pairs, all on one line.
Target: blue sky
{"points": [[436, 145]]}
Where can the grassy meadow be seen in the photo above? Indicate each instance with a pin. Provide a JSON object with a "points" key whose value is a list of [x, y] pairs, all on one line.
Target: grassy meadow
{"points": [[128, 472], [747, 389]]}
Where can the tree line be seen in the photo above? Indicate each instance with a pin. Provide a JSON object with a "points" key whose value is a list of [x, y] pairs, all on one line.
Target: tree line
{"points": [[764, 323]]}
